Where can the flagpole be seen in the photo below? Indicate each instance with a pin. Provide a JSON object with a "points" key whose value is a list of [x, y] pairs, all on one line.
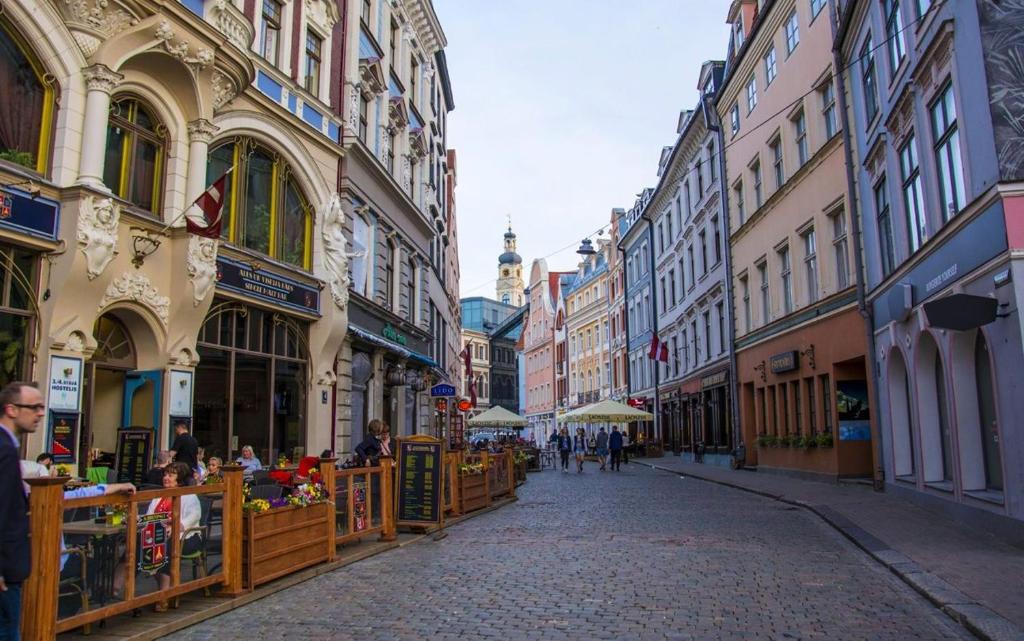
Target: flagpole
{"points": [[184, 211]]}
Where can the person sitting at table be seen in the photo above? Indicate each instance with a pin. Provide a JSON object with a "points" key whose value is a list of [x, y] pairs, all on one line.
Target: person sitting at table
{"points": [[368, 452], [213, 473], [155, 476], [45, 459], [200, 462], [249, 461], [175, 475]]}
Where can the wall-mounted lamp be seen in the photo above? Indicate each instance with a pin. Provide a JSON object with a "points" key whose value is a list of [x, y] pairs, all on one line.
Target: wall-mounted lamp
{"points": [[760, 368], [809, 353], [30, 187], [144, 243]]}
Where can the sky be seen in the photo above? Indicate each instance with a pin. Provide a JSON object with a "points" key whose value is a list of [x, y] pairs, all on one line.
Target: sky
{"points": [[562, 108]]}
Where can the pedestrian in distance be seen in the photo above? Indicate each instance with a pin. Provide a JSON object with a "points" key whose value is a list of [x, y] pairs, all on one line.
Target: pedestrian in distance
{"points": [[21, 410], [602, 448], [564, 447], [615, 446], [579, 447]]}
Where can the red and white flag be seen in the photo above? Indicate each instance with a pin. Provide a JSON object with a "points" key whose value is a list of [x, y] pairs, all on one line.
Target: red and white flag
{"points": [[467, 358], [211, 202], [659, 350]]}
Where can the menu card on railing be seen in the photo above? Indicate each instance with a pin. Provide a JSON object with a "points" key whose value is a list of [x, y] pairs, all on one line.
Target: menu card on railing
{"points": [[134, 452], [419, 479]]}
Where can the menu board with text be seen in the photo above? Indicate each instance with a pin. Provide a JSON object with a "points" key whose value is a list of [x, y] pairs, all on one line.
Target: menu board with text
{"points": [[419, 480], [134, 453]]}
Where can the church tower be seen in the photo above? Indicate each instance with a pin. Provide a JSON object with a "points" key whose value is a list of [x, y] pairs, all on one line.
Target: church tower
{"points": [[510, 273]]}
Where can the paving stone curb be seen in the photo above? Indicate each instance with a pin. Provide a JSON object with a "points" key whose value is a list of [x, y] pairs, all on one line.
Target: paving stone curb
{"points": [[978, 619]]}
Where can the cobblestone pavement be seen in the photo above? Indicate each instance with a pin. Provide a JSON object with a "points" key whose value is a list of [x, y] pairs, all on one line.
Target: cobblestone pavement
{"points": [[639, 554]]}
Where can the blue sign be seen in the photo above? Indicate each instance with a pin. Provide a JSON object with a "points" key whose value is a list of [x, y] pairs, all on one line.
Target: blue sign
{"points": [[442, 389], [35, 216], [267, 286]]}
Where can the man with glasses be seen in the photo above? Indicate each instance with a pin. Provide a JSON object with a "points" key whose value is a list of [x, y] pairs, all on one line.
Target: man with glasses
{"points": [[21, 409]]}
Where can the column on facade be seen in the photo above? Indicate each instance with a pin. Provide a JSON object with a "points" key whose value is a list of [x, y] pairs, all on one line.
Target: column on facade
{"points": [[200, 134], [100, 82]]}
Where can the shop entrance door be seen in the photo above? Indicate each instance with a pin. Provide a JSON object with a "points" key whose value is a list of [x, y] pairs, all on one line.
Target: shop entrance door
{"points": [[142, 396]]}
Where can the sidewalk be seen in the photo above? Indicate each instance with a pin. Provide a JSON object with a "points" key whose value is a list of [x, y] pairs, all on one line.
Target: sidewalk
{"points": [[972, 576]]}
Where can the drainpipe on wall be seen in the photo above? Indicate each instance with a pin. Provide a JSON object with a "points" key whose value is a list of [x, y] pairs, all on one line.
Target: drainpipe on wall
{"points": [[625, 318], [723, 197], [861, 274]]}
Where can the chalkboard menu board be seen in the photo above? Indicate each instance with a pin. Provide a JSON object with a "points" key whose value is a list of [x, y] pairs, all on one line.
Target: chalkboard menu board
{"points": [[420, 469], [134, 453]]}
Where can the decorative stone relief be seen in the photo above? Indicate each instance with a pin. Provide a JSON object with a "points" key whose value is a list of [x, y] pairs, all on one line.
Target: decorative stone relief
{"points": [[88, 43], [202, 130], [233, 24], [327, 378], [201, 265], [101, 78], [321, 13], [202, 59], [335, 253], [408, 33], [385, 144], [223, 89], [101, 15], [97, 233], [353, 109], [75, 343], [134, 286], [406, 173]]}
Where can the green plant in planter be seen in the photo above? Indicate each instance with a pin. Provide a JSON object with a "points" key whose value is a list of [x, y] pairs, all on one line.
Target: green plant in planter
{"points": [[785, 440], [806, 441], [824, 439], [23, 158], [770, 440], [762, 440]]}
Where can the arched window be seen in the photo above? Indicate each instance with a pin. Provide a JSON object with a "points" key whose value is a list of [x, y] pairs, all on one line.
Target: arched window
{"points": [[987, 414], [26, 104], [133, 167], [265, 208]]}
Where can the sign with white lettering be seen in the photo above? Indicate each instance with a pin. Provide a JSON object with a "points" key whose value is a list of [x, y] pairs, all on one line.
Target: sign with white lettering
{"points": [[65, 384], [267, 286], [785, 362]]}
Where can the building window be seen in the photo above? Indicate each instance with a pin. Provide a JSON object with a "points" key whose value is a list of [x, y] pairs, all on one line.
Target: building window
{"points": [[133, 167], [770, 68], [734, 119], [783, 408], [751, 94], [828, 108], [885, 241], [16, 315], [365, 13], [703, 251], [762, 272], [894, 34], [693, 270], [664, 298], [737, 191], [923, 6], [720, 317], [826, 400], [27, 103], [672, 285], [392, 141], [693, 334], [314, 45], [800, 127], [393, 45], [869, 84], [798, 427], [785, 269], [745, 289], [264, 206], [817, 6], [945, 436], [738, 31], [411, 312], [812, 418], [358, 263], [839, 245], [947, 153], [711, 163], [780, 172], [792, 33], [913, 197], [707, 335], [271, 36], [718, 239], [755, 169], [414, 75], [811, 265], [389, 276], [364, 117]]}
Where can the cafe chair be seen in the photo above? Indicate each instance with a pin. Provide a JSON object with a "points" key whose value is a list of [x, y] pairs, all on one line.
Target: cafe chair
{"points": [[111, 476], [75, 586], [198, 558]]}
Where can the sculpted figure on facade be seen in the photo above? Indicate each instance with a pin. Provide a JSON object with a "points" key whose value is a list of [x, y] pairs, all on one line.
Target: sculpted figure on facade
{"points": [[385, 144], [335, 254], [97, 233], [136, 287], [353, 109], [202, 266]]}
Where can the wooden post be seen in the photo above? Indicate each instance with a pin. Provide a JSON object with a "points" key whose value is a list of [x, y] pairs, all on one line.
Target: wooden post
{"points": [[387, 500], [232, 527], [511, 462], [328, 474], [39, 593]]}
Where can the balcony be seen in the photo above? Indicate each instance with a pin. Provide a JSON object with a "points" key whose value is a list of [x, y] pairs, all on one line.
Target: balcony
{"points": [[232, 23], [586, 398]]}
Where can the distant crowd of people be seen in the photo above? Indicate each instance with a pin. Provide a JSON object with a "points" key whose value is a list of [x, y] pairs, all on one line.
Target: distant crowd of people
{"points": [[609, 448]]}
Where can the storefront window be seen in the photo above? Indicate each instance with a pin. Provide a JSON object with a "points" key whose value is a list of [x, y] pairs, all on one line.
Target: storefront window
{"points": [[253, 362], [987, 414], [133, 165], [15, 312], [26, 104], [265, 209], [360, 243]]}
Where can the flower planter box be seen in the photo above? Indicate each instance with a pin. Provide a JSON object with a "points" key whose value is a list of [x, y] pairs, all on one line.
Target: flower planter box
{"points": [[282, 540], [473, 492]]}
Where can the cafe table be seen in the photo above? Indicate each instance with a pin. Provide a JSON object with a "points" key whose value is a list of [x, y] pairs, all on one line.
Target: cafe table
{"points": [[103, 538]]}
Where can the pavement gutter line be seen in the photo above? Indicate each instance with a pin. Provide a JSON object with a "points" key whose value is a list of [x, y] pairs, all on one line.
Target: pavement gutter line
{"points": [[973, 616], [301, 576]]}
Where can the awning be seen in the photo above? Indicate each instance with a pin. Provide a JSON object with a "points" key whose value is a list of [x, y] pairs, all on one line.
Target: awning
{"points": [[402, 351]]}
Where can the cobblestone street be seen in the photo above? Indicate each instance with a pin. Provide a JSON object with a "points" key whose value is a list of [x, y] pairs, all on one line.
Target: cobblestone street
{"points": [[640, 554]]}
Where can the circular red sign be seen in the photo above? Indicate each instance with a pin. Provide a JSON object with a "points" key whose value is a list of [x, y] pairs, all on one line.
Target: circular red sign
{"points": [[464, 405]]}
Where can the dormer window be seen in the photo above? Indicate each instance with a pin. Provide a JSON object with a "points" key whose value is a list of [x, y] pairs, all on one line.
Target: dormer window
{"points": [[738, 31]]}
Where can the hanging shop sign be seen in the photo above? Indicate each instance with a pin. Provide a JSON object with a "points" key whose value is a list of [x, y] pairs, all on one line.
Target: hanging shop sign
{"points": [[714, 380], [464, 405], [29, 213], [442, 390], [420, 469], [267, 286], [65, 384], [63, 436], [390, 333], [785, 362]]}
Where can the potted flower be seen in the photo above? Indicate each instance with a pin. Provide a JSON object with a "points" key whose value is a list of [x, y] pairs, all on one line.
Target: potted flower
{"points": [[824, 439]]}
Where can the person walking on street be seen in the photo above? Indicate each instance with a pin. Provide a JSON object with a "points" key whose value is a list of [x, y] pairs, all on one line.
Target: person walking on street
{"points": [[21, 409], [564, 447], [615, 446], [602, 448], [579, 446]]}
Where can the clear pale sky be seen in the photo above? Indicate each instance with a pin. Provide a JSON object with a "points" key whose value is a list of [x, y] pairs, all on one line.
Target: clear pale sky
{"points": [[561, 110]]}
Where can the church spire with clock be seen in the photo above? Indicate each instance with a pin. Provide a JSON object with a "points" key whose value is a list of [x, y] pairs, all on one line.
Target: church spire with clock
{"points": [[510, 273]]}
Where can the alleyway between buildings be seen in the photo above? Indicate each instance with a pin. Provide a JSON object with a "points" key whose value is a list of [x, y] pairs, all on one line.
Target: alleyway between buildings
{"points": [[640, 554]]}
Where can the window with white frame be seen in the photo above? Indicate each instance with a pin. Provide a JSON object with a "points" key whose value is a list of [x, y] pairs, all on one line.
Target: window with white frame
{"points": [[720, 318], [672, 286], [886, 247], [869, 83], [839, 247], [913, 195], [751, 94], [811, 264], [817, 6], [947, 153], [792, 32], [703, 251], [716, 231], [923, 6], [786, 272], [712, 161], [745, 293], [737, 191], [780, 172], [894, 34], [828, 108], [270, 37], [770, 68], [755, 171], [734, 119], [800, 131], [692, 269], [762, 273], [359, 262]]}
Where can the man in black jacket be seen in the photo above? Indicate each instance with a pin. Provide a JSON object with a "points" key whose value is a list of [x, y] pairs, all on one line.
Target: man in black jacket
{"points": [[21, 409]]}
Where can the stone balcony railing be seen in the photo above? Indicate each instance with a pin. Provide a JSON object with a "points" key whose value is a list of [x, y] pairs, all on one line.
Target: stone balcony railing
{"points": [[230, 21]]}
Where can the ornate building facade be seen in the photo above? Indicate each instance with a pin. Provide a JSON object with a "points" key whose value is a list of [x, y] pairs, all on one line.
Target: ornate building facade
{"points": [[509, 287]]}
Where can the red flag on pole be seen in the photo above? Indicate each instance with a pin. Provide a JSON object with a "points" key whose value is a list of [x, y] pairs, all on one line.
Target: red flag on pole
{"points": [[663, 355], [211, 202], [653, 352]]}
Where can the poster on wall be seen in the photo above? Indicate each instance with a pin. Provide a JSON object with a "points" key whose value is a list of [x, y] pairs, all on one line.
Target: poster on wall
{"points": [[65, 384], [63, 436], [854, 412], [181, 393]]}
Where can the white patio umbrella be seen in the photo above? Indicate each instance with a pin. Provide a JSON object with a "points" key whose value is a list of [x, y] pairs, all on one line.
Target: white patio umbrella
{"points": [[607, 411], [497, 416]]}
